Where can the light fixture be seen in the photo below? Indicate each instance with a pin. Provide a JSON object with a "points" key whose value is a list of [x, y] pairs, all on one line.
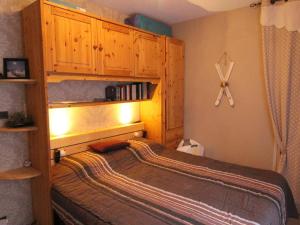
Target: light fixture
{"points": [[221, 5], [59, 121], [125, 113]]}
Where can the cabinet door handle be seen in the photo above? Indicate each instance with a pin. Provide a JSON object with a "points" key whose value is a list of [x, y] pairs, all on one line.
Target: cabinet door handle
{"points": [[95, 47], [100, 48]]}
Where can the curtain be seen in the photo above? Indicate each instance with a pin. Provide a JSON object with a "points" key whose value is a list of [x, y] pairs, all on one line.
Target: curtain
{"points": [[281, 53]]}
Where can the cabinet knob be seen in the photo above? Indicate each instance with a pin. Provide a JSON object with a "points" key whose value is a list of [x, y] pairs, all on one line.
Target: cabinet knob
{"points": [[100, 48], [95, 47]]}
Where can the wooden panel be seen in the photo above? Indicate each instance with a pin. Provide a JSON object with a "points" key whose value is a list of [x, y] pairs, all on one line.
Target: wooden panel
{"points": [[18, 81], [16, 130], [117, 50], [73, 139], [148, 51], [36, 100], [84, 104], [72, 41], [56, 78], [20, 174], [174, 83], [153, 112], [173, 137], [81, 147]]}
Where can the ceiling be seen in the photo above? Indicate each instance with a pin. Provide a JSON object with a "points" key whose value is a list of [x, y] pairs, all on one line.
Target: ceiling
{"points": [[173, 11]]}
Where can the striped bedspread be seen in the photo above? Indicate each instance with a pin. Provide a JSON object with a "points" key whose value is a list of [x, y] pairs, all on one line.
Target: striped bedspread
{"points": [[148, 184]]}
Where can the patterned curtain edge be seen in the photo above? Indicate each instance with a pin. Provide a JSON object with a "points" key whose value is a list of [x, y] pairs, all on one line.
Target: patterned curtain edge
{"points": [[281, 15]]}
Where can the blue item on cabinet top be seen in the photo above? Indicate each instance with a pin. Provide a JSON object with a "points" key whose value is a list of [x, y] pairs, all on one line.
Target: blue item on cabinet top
{"points": [[146, 23]]}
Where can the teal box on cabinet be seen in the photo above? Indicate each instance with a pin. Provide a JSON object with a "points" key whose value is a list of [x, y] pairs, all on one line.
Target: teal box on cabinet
{"points": [[146, 23]]}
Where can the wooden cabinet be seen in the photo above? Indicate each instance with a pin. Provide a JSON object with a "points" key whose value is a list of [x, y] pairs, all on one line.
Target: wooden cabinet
{"points": [[116, 45], [174, 85], [58, 40], [163, 115], [80, 44], [148, 52], [71, 39]]}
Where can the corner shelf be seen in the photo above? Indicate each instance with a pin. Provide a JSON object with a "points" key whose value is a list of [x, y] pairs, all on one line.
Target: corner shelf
{"points": [[19, 129], [20, 174], [18, 81], [83, 104]]}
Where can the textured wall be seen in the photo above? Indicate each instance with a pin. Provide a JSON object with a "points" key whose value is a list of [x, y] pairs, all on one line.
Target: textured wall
{"points": [[241, 134], [15, 197]]}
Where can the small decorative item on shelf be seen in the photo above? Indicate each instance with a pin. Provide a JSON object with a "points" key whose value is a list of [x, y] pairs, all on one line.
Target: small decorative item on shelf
{"points": [[19, 119], [27, 163], [15, 68], [100, 100], [110, 93]]}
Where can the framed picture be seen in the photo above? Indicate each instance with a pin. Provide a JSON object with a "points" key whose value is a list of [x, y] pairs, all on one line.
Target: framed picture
{"points": [[15, 68]]}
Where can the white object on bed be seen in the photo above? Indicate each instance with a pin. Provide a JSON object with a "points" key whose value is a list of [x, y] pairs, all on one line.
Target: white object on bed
{"points": [[191, 147]]}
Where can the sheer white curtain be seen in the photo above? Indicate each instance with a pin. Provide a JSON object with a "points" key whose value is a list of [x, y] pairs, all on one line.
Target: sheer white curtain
{"points": [[281, 49]]}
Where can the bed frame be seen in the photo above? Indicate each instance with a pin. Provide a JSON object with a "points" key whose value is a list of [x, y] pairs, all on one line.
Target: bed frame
{"points": [[75, 143]]}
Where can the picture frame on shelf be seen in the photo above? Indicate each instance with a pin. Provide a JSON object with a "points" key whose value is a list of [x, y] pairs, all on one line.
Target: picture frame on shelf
{"points": [[15, 68]]}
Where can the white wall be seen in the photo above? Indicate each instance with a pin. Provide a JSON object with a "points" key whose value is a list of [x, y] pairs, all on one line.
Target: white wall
{"points": [[241, 134]]}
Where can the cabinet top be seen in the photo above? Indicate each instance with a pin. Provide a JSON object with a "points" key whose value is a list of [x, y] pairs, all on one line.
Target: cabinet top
{"points": [[98, 17]]}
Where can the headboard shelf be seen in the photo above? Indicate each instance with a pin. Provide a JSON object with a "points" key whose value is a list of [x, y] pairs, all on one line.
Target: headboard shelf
{"points": [[84, 104], [80, 138], [60, 77]]}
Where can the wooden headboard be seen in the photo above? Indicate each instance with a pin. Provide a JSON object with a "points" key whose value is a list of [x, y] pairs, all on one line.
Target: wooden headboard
{"points": [[75, 143]]}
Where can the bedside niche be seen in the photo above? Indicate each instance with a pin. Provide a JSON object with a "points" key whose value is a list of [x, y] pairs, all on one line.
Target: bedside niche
{"points": [[72, 108]]}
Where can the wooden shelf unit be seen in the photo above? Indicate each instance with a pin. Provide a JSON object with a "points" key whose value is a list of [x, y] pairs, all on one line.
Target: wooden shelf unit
{"points": [[83, 104], [18, 81], [94, 62], [58, 77], [20, 174], [16, 130]]}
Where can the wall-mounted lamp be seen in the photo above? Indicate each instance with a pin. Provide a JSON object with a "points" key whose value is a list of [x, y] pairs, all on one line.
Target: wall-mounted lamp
{"points": [[59, 120], [125, 113]]}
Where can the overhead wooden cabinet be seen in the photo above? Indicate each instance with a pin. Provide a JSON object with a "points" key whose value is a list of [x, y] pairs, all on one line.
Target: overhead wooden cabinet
{"points": [[71, 40], [116, 45], [148, 52], [174, 91]]}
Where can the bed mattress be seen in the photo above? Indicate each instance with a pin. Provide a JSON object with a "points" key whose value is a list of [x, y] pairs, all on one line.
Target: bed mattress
{"points": [[150, 185]]}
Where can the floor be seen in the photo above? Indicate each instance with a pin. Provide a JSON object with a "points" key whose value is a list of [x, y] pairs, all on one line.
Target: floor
{"points": [[294, 222]]}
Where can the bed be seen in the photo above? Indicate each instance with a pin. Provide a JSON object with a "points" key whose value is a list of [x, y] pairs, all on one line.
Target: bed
{"points": [[147, 184]]}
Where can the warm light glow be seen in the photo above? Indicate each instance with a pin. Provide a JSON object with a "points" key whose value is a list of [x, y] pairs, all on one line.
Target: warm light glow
{"points": [[125, 113], [59, 121]]}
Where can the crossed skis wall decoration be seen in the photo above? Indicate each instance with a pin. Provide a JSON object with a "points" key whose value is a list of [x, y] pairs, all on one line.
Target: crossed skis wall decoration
{"points": [[224, 80]]}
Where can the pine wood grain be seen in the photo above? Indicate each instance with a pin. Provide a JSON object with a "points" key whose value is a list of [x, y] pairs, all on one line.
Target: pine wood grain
{"points": [[59, 77], [84, 104], [19, 174], [174, 91], [16, 130], [36, 100], [147, 52], [18, 81]]}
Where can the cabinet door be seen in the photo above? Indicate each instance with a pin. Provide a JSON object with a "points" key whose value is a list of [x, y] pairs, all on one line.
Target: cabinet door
{"points": [[117, 52], [148, 54], [73, 48], [174, 83]]}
